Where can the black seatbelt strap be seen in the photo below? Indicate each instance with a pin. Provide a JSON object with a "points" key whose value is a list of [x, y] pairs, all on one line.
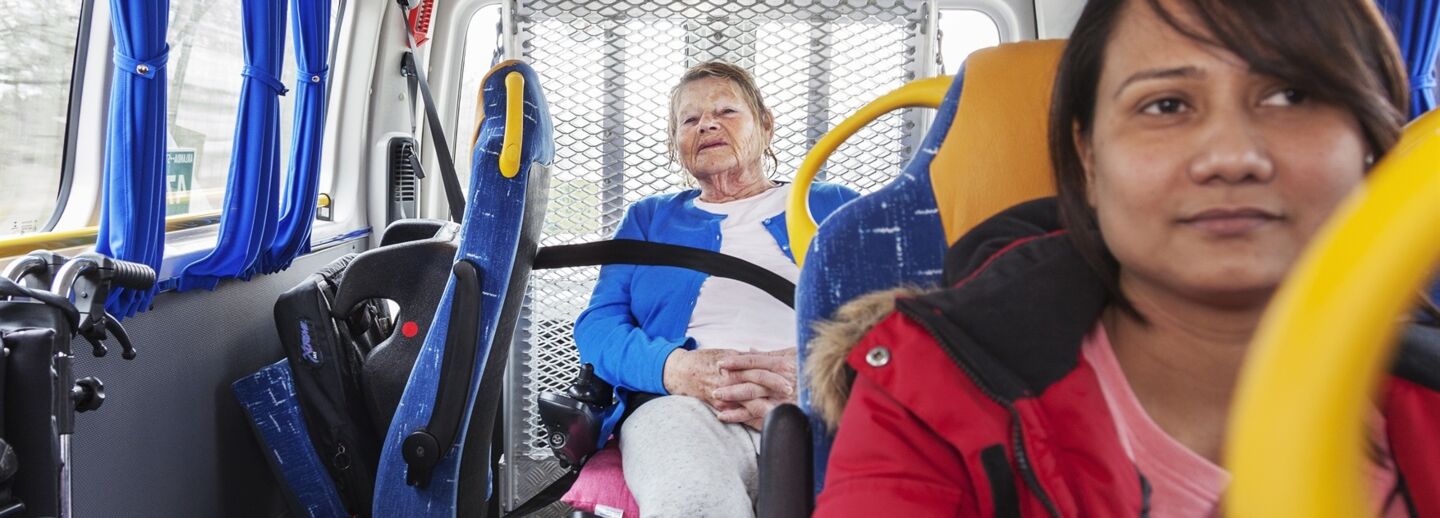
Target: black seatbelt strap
{"points": [[547, 496], [454, 193], [631, 251]]}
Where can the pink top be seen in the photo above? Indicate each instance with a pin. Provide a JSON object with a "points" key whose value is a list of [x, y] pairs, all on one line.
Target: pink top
{"points": [[1184, 484]]}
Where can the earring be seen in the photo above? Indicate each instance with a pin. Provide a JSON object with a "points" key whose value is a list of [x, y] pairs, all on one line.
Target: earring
{"points": [[1369, 160]]}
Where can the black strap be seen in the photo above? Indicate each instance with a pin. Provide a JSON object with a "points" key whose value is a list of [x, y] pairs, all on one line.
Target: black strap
{"points": [[9, 288], [787, 486], [1003, 494], [551, 494], [632, 251], [416, 74]]}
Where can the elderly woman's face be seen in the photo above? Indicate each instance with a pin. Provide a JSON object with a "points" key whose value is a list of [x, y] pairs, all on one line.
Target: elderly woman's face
{"points": [[716, 132], [1208, 179]]}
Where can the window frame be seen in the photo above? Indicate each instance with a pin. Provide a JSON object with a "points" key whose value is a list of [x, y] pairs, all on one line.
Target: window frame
{"points": [[941, 61], [1015, 18], [72, 114]]}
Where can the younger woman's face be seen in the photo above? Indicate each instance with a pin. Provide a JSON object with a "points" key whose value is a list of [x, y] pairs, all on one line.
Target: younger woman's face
{"points": [[1207, 178]]}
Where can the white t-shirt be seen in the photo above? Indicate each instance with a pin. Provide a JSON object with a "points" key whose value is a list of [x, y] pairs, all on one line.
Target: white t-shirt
{"points": [[731, 314]]}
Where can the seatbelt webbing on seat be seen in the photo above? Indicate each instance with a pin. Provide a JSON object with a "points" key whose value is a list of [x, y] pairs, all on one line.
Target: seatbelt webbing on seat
{"points": [[649, 253], [415, 74]]}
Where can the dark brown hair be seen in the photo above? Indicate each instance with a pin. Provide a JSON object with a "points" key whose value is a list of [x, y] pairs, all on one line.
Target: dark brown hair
{"points": [[748, 91], [1339, 51]]}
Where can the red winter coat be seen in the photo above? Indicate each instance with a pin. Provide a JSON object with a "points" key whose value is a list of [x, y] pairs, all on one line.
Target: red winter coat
{"points": [[976, 401]]}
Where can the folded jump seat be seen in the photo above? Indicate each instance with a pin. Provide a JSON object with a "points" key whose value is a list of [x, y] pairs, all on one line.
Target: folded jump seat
{"points": [[322, 410]]}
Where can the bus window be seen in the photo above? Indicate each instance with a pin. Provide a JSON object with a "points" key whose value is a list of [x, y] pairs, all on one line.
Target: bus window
{"points": [[35, 75], [205, 64], [961, 32], [482, 40]]}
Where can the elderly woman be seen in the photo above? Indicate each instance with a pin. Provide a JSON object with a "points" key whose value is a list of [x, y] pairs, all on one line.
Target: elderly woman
{"points": [[707, 356], [1088, 368]]}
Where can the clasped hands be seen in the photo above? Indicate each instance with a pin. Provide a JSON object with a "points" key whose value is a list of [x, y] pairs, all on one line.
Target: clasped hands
{"points": [[741, 386]]}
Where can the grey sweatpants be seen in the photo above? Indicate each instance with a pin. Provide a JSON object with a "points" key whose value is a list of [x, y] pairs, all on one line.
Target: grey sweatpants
{"points": [[680, 460]]}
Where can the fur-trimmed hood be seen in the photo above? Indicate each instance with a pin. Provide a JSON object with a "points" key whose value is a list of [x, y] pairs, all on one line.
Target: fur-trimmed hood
{"points": [[829, 376]]}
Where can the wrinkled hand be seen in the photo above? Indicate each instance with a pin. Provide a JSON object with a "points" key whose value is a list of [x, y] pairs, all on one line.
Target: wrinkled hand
{"points": [[757, 383], [697, 374]]}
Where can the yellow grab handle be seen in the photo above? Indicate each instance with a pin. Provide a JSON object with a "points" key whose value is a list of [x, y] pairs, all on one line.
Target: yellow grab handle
{"points": [[1421, 130], [921, 93], [1298, 426], [514, 124]]}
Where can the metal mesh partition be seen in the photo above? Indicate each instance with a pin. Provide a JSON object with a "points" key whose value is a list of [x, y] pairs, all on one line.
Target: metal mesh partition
{"points": [[608, 68]]}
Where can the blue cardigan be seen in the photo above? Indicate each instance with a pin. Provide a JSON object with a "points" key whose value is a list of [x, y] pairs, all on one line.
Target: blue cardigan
{"points": [[639, 314]]}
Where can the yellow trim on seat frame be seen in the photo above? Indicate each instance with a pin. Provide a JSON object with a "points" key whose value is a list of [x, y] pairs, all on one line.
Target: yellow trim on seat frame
{"points": [[921, 93]]}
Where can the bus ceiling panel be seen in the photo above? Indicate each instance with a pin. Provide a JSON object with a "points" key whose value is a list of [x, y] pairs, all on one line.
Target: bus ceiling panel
{"points": [[1016, 19], [1056, 18]]}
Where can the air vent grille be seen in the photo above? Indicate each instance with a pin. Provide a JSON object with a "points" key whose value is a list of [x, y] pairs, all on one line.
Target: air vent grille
{"points": [[404, 182]]}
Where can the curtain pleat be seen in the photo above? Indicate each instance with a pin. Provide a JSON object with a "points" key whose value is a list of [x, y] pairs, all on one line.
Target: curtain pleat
{"points": [[311, 23], [1416, 24], [248, 221], [132, 212]]}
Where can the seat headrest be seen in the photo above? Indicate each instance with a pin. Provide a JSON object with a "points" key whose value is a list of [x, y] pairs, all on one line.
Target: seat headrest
{"points": [[996, 153]]}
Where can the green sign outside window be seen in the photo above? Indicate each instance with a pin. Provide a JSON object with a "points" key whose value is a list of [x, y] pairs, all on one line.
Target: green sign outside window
{"points": [[179, 172]]}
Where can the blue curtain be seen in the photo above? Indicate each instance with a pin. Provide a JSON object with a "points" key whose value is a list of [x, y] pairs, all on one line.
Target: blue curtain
{"points": [[1416, 24], [132, 211], [248, 222], [1417, 29], [310, 19]]}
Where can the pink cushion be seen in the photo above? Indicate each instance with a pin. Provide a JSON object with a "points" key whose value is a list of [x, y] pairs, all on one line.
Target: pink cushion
{"points": [[602, 482]]}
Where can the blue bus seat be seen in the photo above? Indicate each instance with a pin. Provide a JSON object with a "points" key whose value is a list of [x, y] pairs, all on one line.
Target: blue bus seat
{"points": [[273, 408], [986, 151], [462, 361]]}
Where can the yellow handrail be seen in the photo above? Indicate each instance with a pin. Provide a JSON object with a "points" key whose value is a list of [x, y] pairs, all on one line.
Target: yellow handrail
{"points": [[514, 124], [1297, 428], [921, 93], [23, 244]]}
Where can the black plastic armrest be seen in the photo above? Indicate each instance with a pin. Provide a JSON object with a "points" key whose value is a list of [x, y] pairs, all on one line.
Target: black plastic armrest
{"points": [[424, 447], [786, 490]]}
